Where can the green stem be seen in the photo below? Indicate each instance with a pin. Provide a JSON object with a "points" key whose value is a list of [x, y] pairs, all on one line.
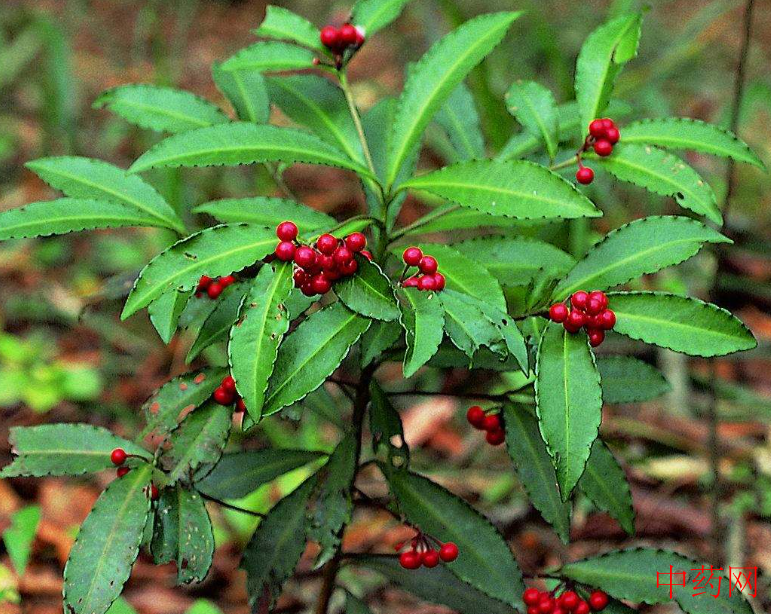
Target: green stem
{"points": [[343, 78], [564, 164]]}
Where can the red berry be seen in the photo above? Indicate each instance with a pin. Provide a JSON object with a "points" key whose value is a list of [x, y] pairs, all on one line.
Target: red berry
{"points": [[427, 283], [305, 257], [608, 123], [300, 278], [286, 231], [448, 552], [227, 280], [327, 244], [430, 558], [476, 417], [584, 175], [343, 255], [603, 148], [320, 284], [533, 609], [155, 494], [409, 559], [597, 128], [122, 471], [593, 306], [350, 267], [558, 312], [285, 251], [240, 405], [596, 337], [329, 37], [598, 600], [576, 319], [228, 383], [223, 396], [546, 605], [582, 607], [439, 281], [204, 282], [578, 300], [607, 319], [428, 265], [410, 282], [570, 327], [531, 596], [492, 422], [367, 254], [333, 274], [360, 36], [558, 609], [612, 135], [118, 456], [308, 290], [215, 289], [600, 296], [412, 256], [356, 241], [327, 263], [569, 600], [495, 438], [348, 35]]}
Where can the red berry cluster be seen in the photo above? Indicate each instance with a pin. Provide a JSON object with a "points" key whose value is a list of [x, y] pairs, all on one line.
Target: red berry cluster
{"points": [[430, 278], [422, 552], [118, 457], [603, 135], [213, 287], [589, 310], [225, 394], [338, 40], [544, 602], [318, 267], [490, 422]]}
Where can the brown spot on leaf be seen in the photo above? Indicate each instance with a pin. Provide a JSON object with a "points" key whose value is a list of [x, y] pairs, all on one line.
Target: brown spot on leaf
{"points": [[155, 407], [199, 378], [182, 386]]}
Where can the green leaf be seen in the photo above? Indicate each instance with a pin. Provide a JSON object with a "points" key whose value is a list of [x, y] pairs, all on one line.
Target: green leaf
{"points": [[254, 340], [165, 311], [267, 211], [682, 324], [568, 402], [437, 585], [240, 473], [662, 173], [513, 188], [386, 427], [183, 393], [535, 108], [464, 274], [270, 56], [246, 92], [160, 108], [693, 134], [63, 449], [374, 15], [354, 605], [431, 81], [629, 380], [512, 336], [368, 292], [217, 325], [63, 215], [282, 24], [216, 251], [460, 120], [107, 544], [466, 325], [183, 534], [534, 468], [484, 560], [311, 354], [19, 536], [450, 357], [423, 320], [451, 217], [515, 261], [379, 338], [631, 575], [639, 248], [276, 546], [601, 59], [317, 103], [87, 178], [604, 482], [332, 505], [243, 143], [197, 444]]}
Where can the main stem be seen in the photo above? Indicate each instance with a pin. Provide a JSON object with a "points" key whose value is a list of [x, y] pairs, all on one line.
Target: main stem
{"points": [[343, 78]]}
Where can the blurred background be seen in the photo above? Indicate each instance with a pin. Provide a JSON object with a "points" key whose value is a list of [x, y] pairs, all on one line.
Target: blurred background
{"points": [[63, 356]]}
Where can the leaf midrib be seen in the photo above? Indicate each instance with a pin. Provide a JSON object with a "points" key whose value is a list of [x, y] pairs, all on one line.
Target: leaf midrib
{"points": [[93, 216], [551, 146], [165, 112], [702, 331]]}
